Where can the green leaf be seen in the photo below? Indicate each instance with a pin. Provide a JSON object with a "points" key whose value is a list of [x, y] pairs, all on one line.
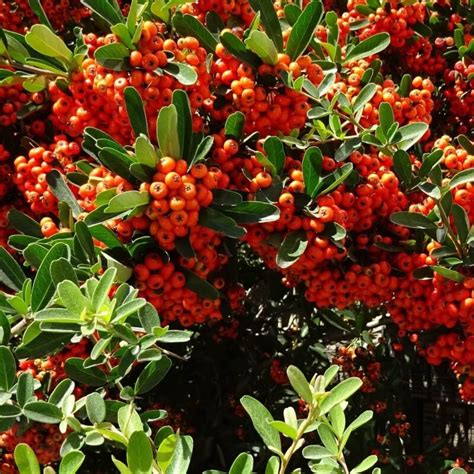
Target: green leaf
{"points": [[184, 248], [292, 12], [338, 420], [461, 220], [202, 150], [91, 376], [214, 22], [187, 25], [175, 336], [152, 375], [37, 8], [5, 329], [185, 125], [466, 143], [365, 465], [312, 168], [293, 246], [118, 162], [289, 415], [122, 468], [24, 223], [368, 47], [146, 155], [252, 212], [136, 111], [62, 192], [200, 286], [316, 452], [225, 197], [95, 407], [121, 31], [25, 388], [8, 412], [243, 464], [124, 272], [347, 148], [139, 453], [148, 317], [113, 56], [386, 117], [43, 412], [166, 441], [44, 41], [284, 429], [167, 132], [182, 72], [102, 290], [61, 392], [162, 9], [405, 85], [364, 96], [25, 459], [234, 125], [361, 420], [181, 457], [218, 221], [448, 274], [7, 369], [333, 180], [270, 21], [340, 393], [273, 466], [127, 309], [402, 166], [303, 30], [275, 153], [262, 46], [129, 420], [71, 298], [34, 253], [11, 274], [266, 163], [84, 238], [71, 462], [43, 285], [463, 177], [328, 439], [299, 383], [108, 10], [235, 46], [127, 201], [429, 162], [413, 220], [411, 134], [105, 235], [261, 419], [37, 343]]}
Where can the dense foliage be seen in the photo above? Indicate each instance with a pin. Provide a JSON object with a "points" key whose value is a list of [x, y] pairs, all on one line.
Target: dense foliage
{"points": [[219, 192]]}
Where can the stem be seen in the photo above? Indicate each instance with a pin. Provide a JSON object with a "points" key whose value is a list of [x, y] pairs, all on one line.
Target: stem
{"points": [[285, 461], [36, 70], [343, 464], [333, 140], [350, 120], [19, 327], [172, 354], [445, 220], [108, 364]]}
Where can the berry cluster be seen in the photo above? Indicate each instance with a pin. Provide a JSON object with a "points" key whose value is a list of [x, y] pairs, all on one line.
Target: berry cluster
{"points": [[178, 196], [95, 95]]}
